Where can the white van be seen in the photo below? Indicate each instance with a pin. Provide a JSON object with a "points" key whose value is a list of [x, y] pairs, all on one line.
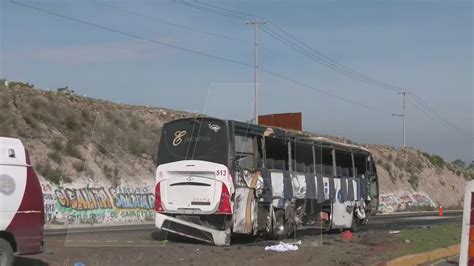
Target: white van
{"points": [[21, 203]]}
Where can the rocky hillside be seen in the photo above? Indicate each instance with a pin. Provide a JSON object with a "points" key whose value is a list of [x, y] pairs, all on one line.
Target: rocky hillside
{"points": [[73, 138], [82, 140]]}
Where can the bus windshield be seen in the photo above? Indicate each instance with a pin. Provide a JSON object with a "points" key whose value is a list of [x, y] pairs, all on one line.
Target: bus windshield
{"points": [[194, 139]]}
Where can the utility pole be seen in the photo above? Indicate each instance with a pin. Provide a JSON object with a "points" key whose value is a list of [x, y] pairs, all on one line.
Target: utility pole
{"points": [[255, 23], [403, 93]]}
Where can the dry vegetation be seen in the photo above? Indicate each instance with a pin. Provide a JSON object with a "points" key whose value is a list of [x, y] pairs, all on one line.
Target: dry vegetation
{"points": [[76, 138], [72, 137]]}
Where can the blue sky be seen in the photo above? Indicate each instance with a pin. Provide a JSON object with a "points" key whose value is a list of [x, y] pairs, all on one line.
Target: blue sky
{"points": [[425, 46]]}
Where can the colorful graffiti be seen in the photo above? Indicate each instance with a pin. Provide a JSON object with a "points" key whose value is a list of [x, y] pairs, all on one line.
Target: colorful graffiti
{"points": [[97, 204], [83, 198], [403, 200], [137, 198]]}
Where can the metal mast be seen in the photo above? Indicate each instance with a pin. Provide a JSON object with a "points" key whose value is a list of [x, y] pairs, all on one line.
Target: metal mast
{"points": [[403, 93], [255, 23]]}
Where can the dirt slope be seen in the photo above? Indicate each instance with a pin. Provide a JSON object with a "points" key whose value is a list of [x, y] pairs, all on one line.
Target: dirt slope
{"points": [[77, 139]]}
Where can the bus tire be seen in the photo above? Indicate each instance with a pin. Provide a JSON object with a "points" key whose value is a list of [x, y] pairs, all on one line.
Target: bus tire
{"points": [[279, 229], [6, 253], [356, 224]]}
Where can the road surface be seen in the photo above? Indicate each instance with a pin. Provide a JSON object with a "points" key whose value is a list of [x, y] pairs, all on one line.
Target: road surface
{"points": [[138, 245]]}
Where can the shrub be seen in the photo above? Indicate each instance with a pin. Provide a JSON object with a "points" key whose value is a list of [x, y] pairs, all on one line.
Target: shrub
{"points": [[55, 156], [413, 180], [435, 160], [387, 166], [459, 163], [70, 121], [36, 103], [57, 145], [30, 120], [390, 157], [458, 172], [136, 147], [78, 166], [55, 175], [72, 150], [19, 84]]}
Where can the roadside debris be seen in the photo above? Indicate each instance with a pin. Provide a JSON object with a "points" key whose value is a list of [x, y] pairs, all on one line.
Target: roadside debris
{"points": [[347, 235], [394, 232], [283, 247]]}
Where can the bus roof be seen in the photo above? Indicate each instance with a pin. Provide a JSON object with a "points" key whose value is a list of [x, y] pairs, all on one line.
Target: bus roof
{"points": [[300, 136]]}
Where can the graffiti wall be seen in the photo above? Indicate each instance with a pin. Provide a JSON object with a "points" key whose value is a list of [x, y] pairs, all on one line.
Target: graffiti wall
{"points": [[403, 201], [85, 204]]}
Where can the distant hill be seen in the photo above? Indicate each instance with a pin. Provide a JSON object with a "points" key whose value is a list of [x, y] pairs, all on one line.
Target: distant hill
{"points": [[78, 139]]}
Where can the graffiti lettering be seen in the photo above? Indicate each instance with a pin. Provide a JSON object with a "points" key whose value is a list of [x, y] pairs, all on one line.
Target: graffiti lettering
{"points": [[83, 198], [132, 199]]}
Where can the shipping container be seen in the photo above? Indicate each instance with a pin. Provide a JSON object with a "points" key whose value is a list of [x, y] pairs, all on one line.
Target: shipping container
{"points": [[283, 120]]}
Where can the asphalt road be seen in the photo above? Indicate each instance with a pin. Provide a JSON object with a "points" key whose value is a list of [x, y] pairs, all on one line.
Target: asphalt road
{"points": [[138, 244], [379, 222]]}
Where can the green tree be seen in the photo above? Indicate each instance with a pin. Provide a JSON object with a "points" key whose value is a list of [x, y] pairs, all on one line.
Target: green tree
{"points": [[459, 163], [471, 166]]}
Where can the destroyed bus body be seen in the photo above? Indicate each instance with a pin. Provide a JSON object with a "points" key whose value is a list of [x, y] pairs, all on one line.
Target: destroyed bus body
{"points": [[217, 177]]}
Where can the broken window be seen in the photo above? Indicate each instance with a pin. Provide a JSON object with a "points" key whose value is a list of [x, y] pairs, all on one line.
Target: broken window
{"points": [[323, 160], [248, 151], [344, 164], [302, 157], [276, 153], [360, 162]]}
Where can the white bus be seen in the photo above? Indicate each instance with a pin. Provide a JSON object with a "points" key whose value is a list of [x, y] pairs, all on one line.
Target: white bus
{"points": [[217, 177]]}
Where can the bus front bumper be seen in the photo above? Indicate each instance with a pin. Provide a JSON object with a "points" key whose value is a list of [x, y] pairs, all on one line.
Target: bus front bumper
{"points": [[192, 230]]}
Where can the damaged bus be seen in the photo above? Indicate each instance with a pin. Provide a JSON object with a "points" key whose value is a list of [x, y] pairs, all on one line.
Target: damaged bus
{"points": [[218, 177]]}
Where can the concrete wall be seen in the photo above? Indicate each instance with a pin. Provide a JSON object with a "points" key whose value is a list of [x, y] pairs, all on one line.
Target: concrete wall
{"points": [[403, 201], [98, 203]]}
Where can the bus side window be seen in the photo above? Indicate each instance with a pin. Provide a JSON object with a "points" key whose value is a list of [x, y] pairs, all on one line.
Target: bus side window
{"points": [[360, 164], [276, 153], [343, 164], [248, 151]]}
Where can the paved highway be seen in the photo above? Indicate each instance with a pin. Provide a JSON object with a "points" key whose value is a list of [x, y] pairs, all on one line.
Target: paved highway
{"points": [[138, 244]]}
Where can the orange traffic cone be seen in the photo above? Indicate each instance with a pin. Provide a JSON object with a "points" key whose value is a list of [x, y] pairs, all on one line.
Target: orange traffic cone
{"points": [[440, 211]]}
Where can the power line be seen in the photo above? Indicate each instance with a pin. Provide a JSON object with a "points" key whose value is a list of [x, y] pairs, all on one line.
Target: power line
{"points": [[319, 59], [293, 43], [306, 50], [314, 88], [233, 15], [182, 26], [130, 35], [185, 27], [435, 115], [334, 63]]}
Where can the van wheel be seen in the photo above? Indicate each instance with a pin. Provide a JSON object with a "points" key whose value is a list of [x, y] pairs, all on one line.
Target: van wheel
{"points": [[6, 253]]}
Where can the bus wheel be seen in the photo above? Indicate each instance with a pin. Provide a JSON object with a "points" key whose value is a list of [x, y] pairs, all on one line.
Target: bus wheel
{"points": [[356, 224], [279, 230], [6, 253]]}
